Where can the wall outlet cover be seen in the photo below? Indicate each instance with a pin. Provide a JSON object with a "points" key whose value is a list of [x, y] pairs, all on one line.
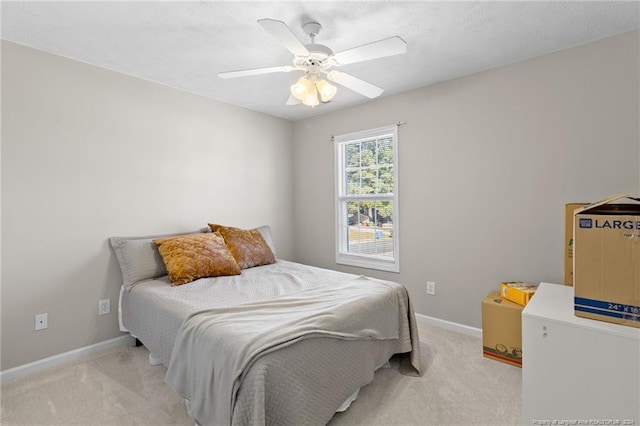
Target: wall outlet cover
{"points": [[104, 306], [42, 321]]}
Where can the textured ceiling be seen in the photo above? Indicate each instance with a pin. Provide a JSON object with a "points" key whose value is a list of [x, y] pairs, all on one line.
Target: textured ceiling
{"points": [[185, 44]]}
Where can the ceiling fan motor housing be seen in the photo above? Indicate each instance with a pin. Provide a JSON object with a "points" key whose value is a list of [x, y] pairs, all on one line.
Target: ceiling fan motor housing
{"points": [[318, 58]]}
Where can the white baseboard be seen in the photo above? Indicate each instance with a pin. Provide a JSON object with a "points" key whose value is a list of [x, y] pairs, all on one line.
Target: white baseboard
{"points": [[56, 360], [448, 325]]}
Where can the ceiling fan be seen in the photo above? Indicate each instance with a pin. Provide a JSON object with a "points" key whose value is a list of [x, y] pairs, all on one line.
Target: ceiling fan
{"points": [[316, 61]]}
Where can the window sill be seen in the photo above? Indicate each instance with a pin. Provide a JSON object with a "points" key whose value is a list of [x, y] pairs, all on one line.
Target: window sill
{"points": [[368, 263]]}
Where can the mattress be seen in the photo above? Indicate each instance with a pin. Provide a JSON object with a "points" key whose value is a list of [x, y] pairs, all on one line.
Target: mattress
{"points": [[280, 388]]}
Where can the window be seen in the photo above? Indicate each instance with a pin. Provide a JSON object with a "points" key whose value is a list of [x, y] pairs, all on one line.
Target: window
{"points": [[367, 199]]}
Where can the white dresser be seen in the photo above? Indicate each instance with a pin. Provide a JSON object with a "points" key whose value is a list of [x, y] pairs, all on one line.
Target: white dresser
{"points": [[577, 370]]}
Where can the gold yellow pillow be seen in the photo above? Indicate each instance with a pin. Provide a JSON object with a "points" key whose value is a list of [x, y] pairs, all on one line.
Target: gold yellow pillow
{"points": [[248, 247], [189, 257]]}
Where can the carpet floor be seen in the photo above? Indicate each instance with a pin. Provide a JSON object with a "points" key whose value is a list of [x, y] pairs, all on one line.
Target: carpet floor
{"points": [[119, 387]]}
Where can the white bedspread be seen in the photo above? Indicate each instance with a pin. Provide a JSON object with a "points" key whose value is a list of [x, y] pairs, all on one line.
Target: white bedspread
{"points": [[153, 310], [214, 348], [299, 384]]}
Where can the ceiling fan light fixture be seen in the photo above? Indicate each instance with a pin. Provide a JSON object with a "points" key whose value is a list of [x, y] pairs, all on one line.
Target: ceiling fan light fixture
{"points": [[310, 90]]}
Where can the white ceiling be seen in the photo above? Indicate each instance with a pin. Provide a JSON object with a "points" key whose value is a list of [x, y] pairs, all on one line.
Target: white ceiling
{"points": [[185, 44]]}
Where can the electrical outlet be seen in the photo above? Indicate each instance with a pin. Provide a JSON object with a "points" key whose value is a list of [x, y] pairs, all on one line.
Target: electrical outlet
{"points": [[42, 321], [431, 288], [104, 306]]}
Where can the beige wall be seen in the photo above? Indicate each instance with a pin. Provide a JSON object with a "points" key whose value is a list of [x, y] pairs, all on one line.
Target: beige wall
{"points": [[88, 154], [486, 164]]}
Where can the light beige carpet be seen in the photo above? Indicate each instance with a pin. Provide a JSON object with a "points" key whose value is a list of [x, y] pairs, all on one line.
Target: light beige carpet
{"points": [[119, 387]]}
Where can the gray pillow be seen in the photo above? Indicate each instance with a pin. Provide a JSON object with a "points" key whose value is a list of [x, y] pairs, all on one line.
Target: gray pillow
{"points": [[139, 258], [265, 231]]}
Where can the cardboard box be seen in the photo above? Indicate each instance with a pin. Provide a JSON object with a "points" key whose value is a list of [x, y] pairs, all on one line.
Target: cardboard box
{"points": [[502, 329], [517, 291], [568, 241], [607, 260]]}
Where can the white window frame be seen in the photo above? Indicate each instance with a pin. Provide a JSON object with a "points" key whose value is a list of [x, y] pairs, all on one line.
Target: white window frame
{"points": [[341, 198]]}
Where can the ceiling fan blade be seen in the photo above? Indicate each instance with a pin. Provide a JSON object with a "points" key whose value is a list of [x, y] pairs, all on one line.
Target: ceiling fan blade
{"points": [[255, 71], [284, 35], [354, 83], [292, 100], [378, 49]]}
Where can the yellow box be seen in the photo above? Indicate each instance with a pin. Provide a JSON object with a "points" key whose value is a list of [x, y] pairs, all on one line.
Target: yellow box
{"points": [[517, 291]]}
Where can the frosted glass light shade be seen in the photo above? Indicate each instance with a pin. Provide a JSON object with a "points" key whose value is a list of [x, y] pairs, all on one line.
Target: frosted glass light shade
{"points": [[301, 88], [327, 90], [311, 98]]}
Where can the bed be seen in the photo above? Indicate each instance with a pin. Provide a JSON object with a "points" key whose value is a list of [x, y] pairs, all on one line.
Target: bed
{"points": [[277, 344]]}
